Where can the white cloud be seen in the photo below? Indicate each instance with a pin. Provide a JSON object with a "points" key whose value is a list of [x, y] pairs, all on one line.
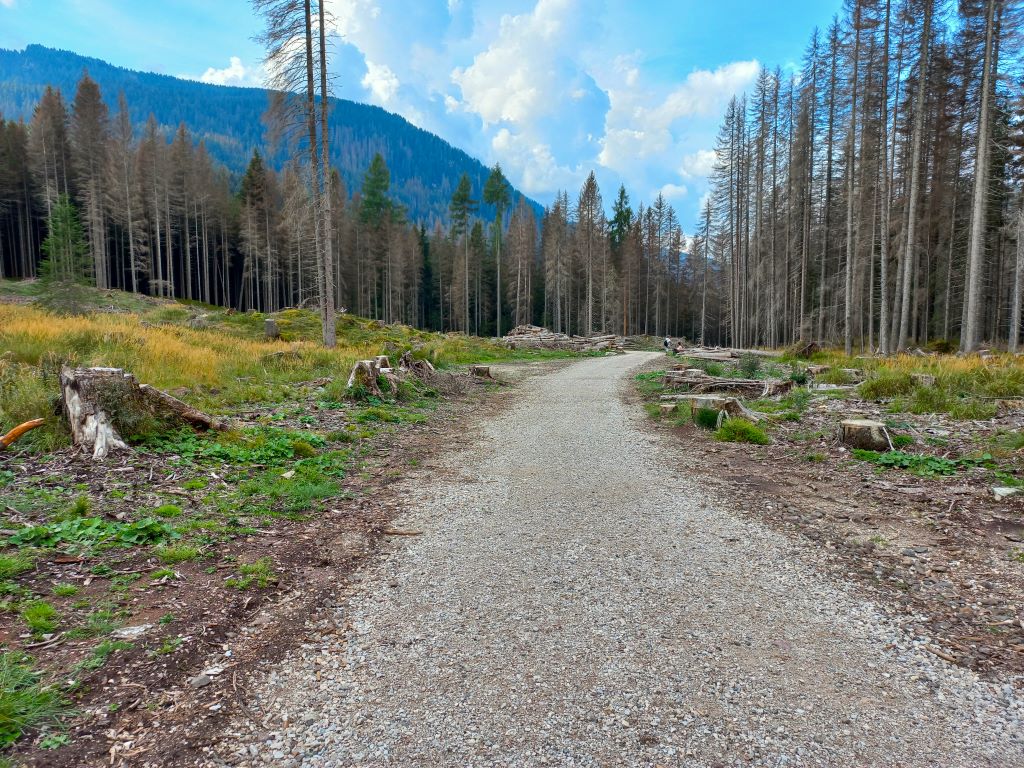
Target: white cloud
{"points": [[7, 3], [516, 78], [674, 191], [380, 81], [236, 73], [533, 163], [699, 163]]}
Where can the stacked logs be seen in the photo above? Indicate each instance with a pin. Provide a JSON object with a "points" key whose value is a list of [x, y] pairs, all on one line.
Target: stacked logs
{"points": [[535, 337]]}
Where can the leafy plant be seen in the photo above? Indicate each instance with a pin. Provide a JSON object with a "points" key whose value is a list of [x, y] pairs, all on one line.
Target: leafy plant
{"points": [[88, 532], [920, 464], [741, 431]]}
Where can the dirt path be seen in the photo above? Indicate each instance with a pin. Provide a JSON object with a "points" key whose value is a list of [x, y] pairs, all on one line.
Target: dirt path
{"points": [[573, 600]]}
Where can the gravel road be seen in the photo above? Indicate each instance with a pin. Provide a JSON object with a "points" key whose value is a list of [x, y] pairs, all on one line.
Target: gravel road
{"points": [[574, 601]]}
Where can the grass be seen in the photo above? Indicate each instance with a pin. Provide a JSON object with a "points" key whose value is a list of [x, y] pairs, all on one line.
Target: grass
{"points": [[65, 590], [741, 431], [178, 553], [260, 573], [25, 703], [220, 359], [39, 616], [102, 653], [15, 564]]}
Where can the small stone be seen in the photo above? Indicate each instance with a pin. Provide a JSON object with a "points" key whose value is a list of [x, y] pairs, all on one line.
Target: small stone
{"points": [[200, 681]]}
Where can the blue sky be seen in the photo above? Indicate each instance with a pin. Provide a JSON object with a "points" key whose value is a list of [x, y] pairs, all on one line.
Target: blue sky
{"points": [[550, 88]]}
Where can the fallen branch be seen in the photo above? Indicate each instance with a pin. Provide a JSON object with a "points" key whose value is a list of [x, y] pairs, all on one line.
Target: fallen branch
{"points": [[19, 431]]}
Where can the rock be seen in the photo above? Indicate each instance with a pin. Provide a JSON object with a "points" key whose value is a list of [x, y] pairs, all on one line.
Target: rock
{"points": [[200, 681], [131, 633], [865, 434], [1001, 493]]}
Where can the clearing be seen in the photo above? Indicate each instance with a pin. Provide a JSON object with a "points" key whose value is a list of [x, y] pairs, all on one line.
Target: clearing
{"points": [[574, 599]]}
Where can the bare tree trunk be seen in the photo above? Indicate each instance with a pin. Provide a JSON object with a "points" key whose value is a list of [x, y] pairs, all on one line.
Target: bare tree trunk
{"points": [[910, 246], [883, 249], [327, 309], [1018, 277], [976, 250]]}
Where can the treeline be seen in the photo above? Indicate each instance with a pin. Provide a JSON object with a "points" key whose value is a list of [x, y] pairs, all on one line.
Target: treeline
{"points": [[158, 216], [874, 198]]}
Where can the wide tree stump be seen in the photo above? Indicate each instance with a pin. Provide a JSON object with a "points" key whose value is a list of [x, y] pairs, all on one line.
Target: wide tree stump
{"points": [[93, 399], [866, 434], [421, 369], [370, 373], [481, 372]]}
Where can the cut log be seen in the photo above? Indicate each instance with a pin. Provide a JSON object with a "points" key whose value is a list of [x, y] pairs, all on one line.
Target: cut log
{"points": [[18, 432], [866, 434], [94, 398], [728, 405]]}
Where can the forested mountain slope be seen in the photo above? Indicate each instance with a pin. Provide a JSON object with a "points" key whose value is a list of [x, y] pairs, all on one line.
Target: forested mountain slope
{"points": [[425, 169]]}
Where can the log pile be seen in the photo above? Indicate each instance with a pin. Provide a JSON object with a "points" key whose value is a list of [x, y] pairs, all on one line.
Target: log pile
{"points": [[724, 354], [535, 337], [94, 398], [697, 381]]}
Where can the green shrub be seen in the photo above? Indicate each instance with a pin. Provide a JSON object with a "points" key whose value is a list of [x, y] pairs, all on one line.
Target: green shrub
{"points": [[902, 441], [706, 418], [920, 464], [886, 384], [835, 376], [799, 376], [741, 431], [302, 449], [749, 364]]}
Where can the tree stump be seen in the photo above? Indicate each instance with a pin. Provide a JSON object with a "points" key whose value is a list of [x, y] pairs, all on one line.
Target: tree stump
{"points": [[667, 409], [93, 398], [731, 406], [421, 369], [271, 330], [481, 372], [866, 434]]}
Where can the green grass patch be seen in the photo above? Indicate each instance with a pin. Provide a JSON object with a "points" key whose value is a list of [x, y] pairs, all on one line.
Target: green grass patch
{"points": [[39, 616], [65, 590], [167, 510], [261, 573], [102, 653], [741, 431], [15, 564], [706, 418], [172, 554], [25, 703]]}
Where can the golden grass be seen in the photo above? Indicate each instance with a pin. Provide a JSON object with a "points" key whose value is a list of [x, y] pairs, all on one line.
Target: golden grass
{"points": [[165, 356]]}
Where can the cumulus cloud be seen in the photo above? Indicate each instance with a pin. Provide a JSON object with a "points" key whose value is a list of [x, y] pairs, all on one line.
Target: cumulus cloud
{"points": [[512, 79], [699, 163], [236, 73], [380, 81]]}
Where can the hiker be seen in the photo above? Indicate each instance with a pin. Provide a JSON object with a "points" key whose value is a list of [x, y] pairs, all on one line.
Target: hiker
{"points": [[679, 348], [668, 345]]}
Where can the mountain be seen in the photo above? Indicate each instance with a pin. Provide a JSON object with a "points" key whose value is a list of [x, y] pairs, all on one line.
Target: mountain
{"points": [[425, 169]]}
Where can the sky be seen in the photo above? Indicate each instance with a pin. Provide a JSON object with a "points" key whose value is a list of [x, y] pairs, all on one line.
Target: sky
{"points": [[632, 89]]}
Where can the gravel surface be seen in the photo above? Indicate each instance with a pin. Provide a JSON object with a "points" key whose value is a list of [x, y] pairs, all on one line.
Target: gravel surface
{"points": [[574, 601]]}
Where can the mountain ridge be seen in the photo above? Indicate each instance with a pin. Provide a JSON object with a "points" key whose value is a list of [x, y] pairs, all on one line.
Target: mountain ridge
{"points": [[425, 168]]}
